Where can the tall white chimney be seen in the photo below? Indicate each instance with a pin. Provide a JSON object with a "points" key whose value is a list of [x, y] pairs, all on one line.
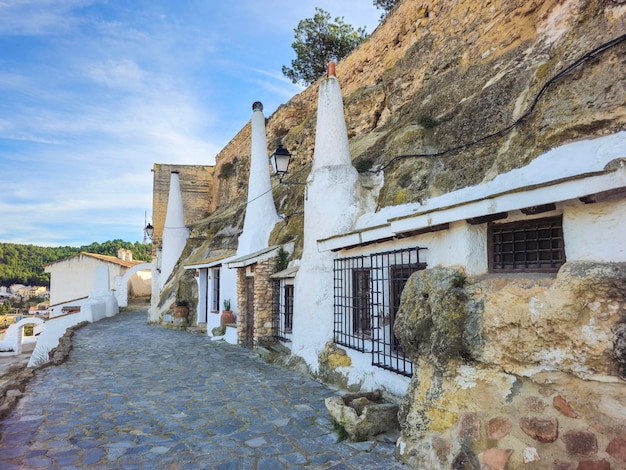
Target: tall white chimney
{"points": [[175, 233], [261, 213], [330, 209]]}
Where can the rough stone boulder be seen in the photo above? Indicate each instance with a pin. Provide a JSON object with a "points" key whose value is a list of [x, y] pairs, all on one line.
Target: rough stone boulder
{"points": [[535, 360], [573, 323], [433, 318], [363, 415]]}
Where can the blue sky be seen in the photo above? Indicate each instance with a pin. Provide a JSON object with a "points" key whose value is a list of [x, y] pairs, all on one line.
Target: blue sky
{"points": [[94, 92]]}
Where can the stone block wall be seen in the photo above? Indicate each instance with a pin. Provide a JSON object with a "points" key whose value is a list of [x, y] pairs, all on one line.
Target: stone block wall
{"points": [[242, 306], [262, 301]]}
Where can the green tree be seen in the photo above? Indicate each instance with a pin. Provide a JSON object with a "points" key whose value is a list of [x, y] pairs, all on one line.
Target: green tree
{"points": [[318, 40], [386, 6]]}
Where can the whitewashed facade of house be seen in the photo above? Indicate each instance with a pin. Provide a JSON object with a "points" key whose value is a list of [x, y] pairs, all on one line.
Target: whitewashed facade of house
{"points": [[72, 279]]}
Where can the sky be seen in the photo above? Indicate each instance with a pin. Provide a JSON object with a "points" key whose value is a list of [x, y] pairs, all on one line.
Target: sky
{"points": [[93, 93]]}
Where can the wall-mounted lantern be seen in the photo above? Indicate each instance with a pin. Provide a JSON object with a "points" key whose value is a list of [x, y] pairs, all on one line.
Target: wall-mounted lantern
{"points": [[280, 161], [149, 231]]}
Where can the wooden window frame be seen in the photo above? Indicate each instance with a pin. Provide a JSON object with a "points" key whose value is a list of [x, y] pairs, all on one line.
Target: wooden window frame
{"points": [[530, 245]]}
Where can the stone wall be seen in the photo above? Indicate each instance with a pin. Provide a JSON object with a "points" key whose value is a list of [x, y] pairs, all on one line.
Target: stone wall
{"points": [[515, 369], [242, 306], [262, 301], [232, 166]]}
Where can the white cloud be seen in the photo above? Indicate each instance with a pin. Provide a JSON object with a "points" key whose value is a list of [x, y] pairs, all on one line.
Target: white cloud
{"points": [[93, 93], [39, 17], [117, 74]]}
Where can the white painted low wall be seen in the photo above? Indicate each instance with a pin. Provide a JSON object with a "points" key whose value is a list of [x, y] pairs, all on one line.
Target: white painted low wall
{"points": [[49, 338], [213, 321], [14, 336], [91, 310], [230, 336], [372, 378]]}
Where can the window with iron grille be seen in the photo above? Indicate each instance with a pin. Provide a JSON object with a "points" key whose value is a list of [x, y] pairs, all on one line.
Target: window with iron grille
{"points": [[534, 245], [288, 320], [352, 308], [282, 309], [392, 270], [367, 291], [215, 290], [361, 279]]}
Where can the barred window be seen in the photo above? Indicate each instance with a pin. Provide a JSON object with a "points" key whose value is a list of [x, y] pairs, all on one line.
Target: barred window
{"points": [[288, 320], [352, 307], [361, 302], [534, 245], [215, 289], [367, 292], [392, 270], [282, 309]]}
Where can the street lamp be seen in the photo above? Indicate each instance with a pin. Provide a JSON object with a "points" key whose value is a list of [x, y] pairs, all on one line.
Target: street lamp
{"points": [[149, 231], [280, 161]]}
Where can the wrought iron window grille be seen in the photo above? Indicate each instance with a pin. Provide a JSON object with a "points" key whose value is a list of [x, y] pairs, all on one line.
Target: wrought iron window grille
{"points": [[371, 286], [282, 309], [534, 245]]}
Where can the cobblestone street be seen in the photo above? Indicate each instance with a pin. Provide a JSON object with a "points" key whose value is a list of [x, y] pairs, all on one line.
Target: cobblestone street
{"points": [[136, 396]]}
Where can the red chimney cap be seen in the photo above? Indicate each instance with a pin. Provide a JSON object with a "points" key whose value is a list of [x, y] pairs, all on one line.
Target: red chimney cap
{"points": [[331, 69]]}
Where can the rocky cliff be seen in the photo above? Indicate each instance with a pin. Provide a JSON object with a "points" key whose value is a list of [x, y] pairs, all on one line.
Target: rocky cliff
{"points": [[447, 94], [515, 371]]}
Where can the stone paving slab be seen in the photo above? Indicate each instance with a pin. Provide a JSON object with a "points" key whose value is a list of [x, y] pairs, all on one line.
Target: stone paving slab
{"points": [[132, 396]]}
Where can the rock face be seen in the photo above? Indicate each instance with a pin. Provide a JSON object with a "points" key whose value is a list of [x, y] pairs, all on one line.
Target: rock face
{"points": [[439, 75], [531, 363], [434, 316], [435, 75], [567, 324]]}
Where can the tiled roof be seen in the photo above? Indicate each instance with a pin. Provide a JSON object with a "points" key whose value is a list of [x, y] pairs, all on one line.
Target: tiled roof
{"points": [[112, 259]]}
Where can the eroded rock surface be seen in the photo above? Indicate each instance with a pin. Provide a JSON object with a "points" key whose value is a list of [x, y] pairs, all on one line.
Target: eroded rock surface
{"points": [[540, 366]]}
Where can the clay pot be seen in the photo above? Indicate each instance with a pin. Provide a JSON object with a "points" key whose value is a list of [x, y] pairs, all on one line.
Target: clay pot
{"points": [[181, 312], [227, 317]]}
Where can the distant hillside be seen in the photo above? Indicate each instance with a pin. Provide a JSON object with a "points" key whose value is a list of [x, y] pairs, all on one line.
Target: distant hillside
{"points": [[24, 264]]}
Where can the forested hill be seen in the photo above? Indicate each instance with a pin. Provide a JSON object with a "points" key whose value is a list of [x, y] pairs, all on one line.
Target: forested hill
{"points": [[23, 264]]}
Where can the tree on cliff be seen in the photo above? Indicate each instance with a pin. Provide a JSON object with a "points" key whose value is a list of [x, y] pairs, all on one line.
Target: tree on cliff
{"points": [[317, 42], [386, 5]]}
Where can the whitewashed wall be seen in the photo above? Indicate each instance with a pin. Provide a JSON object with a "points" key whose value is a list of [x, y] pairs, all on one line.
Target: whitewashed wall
{"points": [[73, 278], [595, 232], [592, 232]]}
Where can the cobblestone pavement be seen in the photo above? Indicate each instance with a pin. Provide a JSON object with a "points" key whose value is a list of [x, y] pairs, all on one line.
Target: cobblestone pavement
{"points": [[136, 396]]}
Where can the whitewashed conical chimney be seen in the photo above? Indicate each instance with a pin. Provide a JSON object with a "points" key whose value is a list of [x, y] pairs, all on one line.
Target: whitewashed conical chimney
{"points": [[175, 233], [261, 213], [331, 205], [330, 208]]}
